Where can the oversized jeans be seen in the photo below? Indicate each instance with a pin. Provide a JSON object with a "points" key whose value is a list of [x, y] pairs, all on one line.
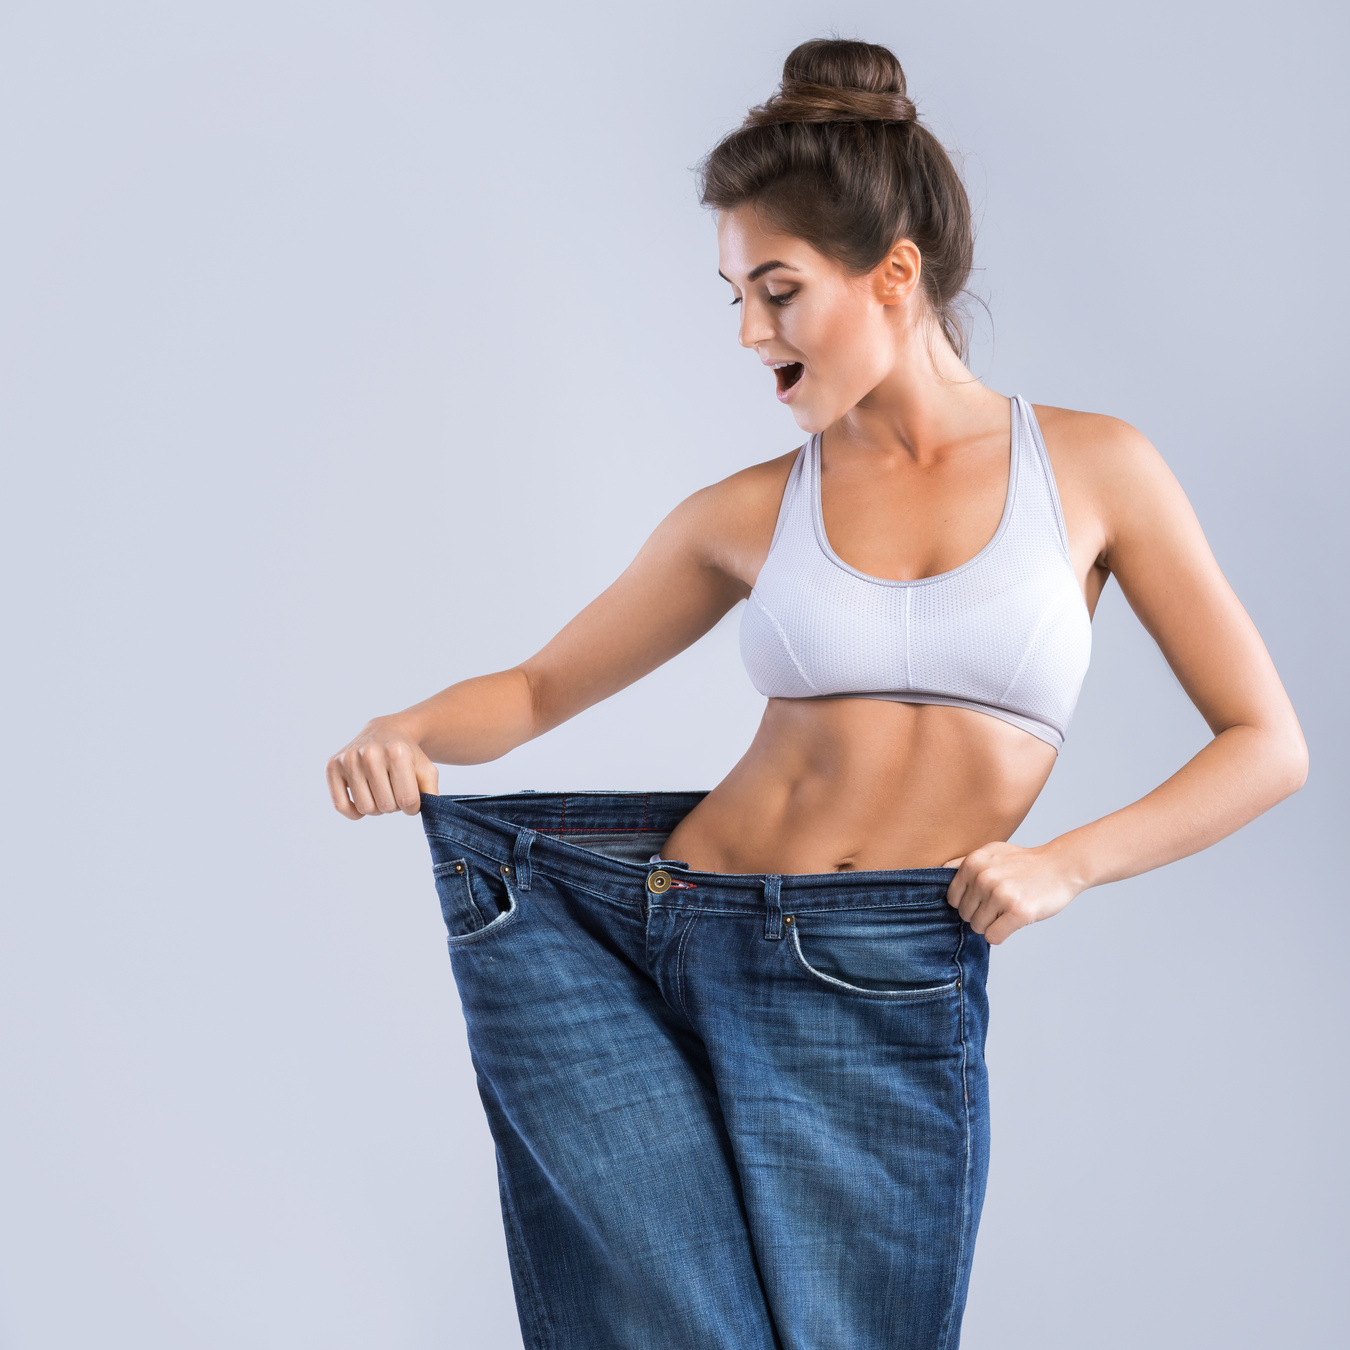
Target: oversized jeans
{"points": [[731, 1112]]}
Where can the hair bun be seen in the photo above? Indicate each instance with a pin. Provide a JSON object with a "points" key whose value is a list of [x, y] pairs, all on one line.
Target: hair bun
{"points": [[828, 103], [832, 80]]}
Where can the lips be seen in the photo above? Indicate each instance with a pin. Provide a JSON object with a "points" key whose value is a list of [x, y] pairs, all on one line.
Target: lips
{"points": [[787, 374]]}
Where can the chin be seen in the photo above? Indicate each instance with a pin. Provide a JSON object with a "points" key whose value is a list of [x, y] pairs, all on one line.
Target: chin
{"points": [[812, 420]]}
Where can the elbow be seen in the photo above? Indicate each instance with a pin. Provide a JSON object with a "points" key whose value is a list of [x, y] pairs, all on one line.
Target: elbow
{"points": [[1298, 770], [532, 717], [1289, 764]]}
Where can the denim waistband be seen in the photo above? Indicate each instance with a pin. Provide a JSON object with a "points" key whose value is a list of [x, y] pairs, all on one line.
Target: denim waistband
{"points": [[523, 829]]}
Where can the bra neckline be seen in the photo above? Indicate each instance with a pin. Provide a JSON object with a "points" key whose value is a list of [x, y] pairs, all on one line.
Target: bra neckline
{"points": [[818, 510]]}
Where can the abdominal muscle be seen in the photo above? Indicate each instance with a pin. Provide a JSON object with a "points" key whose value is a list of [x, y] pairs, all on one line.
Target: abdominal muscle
{"points": [[844, 784]]}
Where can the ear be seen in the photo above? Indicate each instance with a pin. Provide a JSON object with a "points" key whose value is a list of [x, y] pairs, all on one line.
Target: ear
{"points": [[896, 277]]}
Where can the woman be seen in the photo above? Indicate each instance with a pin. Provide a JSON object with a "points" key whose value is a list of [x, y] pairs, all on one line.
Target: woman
{"points": [[731, 1044]]}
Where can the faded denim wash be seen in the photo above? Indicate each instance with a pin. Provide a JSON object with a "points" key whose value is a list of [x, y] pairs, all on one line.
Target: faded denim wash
{"points": [[731, 1112]]}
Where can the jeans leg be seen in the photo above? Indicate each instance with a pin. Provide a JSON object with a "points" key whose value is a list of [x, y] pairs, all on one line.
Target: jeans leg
{"points": [[625, 1222], [858, 1119]]}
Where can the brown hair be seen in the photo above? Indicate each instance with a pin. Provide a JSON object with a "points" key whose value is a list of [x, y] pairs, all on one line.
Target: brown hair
{"points": [[837, 157]]}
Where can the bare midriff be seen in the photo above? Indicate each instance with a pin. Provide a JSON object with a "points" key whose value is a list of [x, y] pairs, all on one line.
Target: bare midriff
{"points": [[858, 784]]}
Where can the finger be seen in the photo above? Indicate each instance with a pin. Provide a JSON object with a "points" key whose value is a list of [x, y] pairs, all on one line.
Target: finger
{"points": [[1004, 897], [975, 894], [1014, 915], [984, 915], [959, 885], [403, 779], [357, 786], [956, 885], [1003, 928], [337, 789], [376, 762]]}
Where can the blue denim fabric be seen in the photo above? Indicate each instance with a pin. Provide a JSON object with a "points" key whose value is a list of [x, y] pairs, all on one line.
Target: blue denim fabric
{"points": [[730, 1111]]}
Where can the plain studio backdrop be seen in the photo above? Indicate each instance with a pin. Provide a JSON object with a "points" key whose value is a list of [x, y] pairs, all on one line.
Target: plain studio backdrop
{"points": [[348, 350]]}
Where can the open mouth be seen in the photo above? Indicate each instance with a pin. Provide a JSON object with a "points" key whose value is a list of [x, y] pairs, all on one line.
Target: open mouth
{"points": [[787, 373]]}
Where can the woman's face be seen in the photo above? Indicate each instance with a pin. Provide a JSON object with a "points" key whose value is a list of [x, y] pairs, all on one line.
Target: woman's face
{"points": [[827, 335]]}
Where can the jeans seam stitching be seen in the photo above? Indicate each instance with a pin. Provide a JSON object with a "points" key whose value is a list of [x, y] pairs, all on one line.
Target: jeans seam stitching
{"points": [[854, 909], [679, 966], [945, 1338]]}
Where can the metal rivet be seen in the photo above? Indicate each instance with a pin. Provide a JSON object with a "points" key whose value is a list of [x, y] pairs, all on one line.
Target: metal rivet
{"points": [[658, 881], [459, 867], [787, 918], [506, 869]]}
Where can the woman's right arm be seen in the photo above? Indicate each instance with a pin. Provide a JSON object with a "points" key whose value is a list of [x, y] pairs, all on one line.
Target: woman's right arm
{"points": [[687, 575]]}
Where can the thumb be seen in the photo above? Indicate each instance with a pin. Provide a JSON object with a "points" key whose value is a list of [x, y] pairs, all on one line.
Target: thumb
{"points": [[955, 892], [428, 779]]}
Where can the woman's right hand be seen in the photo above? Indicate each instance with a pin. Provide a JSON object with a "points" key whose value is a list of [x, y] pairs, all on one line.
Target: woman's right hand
{"points": [[382, 770]]}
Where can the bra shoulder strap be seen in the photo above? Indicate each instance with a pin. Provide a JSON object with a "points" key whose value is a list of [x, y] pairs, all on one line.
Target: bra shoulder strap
{"points": [[796, 491], [1037, 492]]}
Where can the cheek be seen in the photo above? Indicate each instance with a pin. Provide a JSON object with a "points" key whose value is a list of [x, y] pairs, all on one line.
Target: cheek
{"points": [[850, 355]]}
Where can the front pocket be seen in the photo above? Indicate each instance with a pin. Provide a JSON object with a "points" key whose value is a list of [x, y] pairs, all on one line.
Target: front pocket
{"points": [[476, 902], [905, 953]]}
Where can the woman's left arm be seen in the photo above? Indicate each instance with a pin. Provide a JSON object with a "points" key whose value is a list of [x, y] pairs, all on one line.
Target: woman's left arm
{"points": [[1155, 548]]}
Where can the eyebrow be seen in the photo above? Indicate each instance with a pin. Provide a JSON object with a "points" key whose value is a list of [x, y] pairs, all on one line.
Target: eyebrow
{"points": [[758, 272]]}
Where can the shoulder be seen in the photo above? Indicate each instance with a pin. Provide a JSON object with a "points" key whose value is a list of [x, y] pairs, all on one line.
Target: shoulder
{"points": [[1093, 443], [1108, 470], [730, 524], [749, 491]]}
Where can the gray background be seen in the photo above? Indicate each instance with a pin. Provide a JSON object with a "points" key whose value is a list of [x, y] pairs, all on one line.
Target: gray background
{"points": [[348, 349]]}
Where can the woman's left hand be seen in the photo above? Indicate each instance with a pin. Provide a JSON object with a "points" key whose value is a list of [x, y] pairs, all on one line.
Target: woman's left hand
{"points": [[1000, 888]]}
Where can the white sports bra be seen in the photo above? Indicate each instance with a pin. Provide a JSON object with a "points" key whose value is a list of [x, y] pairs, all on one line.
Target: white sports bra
{"points": [[1007, 633]]}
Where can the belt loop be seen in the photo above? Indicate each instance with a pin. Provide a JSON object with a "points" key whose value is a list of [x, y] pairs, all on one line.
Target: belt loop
{"points": [[520, 858], [773, 918]]}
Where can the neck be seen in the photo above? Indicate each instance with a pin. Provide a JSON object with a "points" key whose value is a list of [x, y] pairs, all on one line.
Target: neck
{"points": [[926, 405]]}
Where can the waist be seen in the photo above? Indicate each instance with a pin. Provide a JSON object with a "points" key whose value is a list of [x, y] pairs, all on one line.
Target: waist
{"points": [[603, 842], [862, 784]]}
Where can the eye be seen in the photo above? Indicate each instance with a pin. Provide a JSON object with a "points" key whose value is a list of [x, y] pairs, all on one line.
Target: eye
{"points": [[737, 300], [783, 299]]}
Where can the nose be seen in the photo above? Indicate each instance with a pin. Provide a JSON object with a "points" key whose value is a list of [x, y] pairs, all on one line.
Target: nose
{"points": [[755, 327]]}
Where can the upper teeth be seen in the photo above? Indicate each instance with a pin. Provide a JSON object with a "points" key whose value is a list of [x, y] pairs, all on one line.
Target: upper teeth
{"points": [[778, 365]]}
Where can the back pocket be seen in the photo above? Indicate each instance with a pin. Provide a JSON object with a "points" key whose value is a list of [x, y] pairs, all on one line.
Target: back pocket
{"points": [[904, 953]]}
